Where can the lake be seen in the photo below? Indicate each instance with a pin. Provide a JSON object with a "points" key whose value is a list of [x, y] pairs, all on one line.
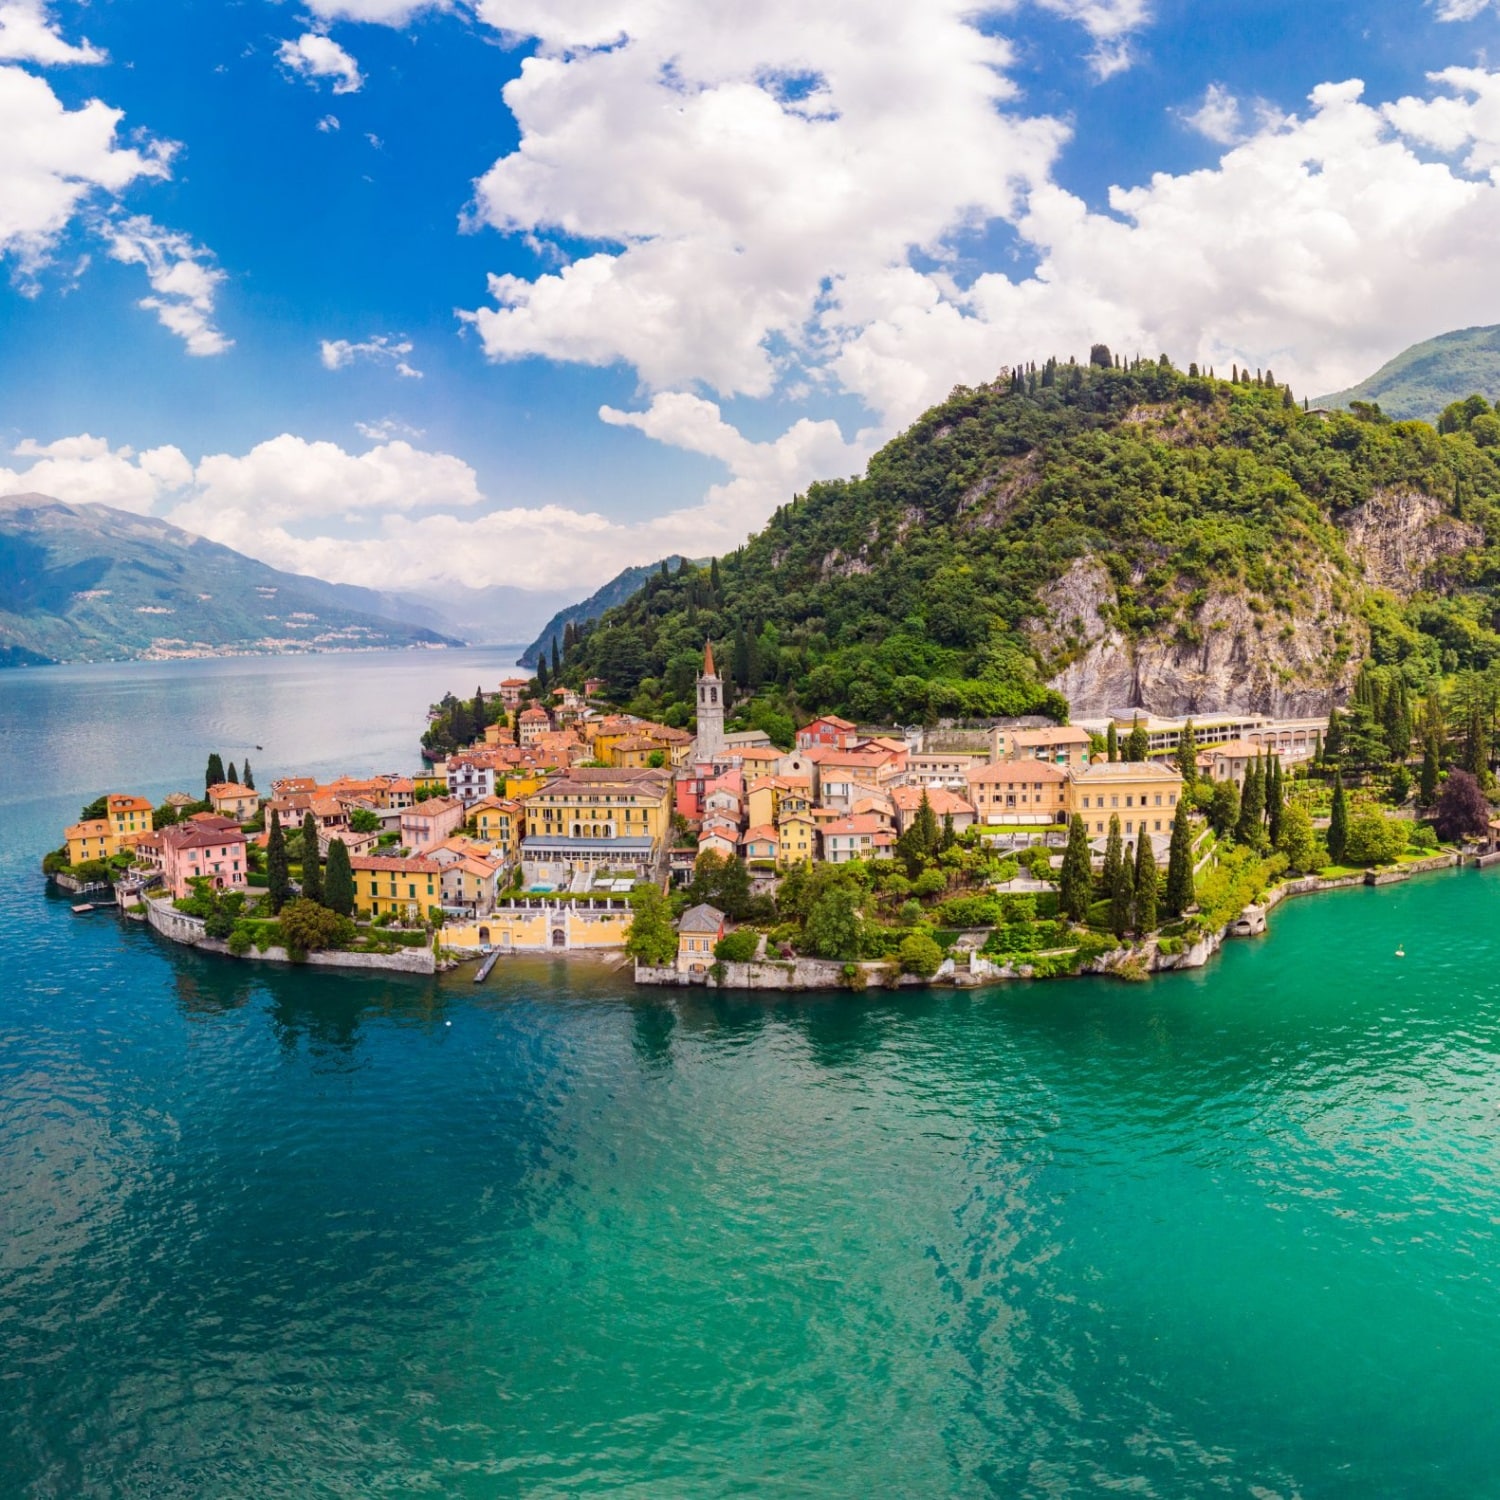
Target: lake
{"points": [[272, 1233]]}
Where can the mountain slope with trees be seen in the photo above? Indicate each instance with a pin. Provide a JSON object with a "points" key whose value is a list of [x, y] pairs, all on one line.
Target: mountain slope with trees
{"points": [[624, 585], [1420, 381], [1099, 537]]}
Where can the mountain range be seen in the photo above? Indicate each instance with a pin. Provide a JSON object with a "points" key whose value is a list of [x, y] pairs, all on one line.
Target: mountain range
{"points": [[622, 586], [1420, 381], [1090, 539], [90, 583]]}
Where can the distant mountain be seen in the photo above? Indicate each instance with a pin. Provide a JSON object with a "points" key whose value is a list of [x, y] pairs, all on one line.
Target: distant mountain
{"points": [[496, 616], [620, 588], [90, 583], [1422, 380]]}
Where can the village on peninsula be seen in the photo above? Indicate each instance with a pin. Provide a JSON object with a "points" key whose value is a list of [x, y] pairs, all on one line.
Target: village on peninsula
{"points": [[854, 856]]}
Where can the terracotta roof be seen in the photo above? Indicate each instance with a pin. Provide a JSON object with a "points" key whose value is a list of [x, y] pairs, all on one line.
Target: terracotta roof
{"points": [[765, 831], [1128, 770], [940, 800], [93, 828], [864, 823], [1237, 749], [382, 864], [127, 802], [1060, 734], [1008, 772], [832, 720], [223, 789], [200, 836], [430, 808]]}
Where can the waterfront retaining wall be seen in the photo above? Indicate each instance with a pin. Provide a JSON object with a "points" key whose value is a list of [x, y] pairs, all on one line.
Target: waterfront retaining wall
{"points": [[178, 927]]}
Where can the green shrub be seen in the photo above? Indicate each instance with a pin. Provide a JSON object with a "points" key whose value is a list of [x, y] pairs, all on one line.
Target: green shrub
{"points": [[1422, 837], [241, 939], [969, 911], [920, 955], [737, 947]]}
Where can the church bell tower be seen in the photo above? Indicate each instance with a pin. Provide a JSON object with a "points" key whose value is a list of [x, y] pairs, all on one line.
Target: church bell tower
{"points": [[710, 742]]}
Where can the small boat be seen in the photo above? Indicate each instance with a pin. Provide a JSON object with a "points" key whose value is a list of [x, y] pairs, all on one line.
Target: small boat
{"points": [[82, 907], [260, 747]]}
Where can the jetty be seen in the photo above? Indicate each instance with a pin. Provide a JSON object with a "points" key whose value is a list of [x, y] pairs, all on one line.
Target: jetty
{"points": [[490, 960]]}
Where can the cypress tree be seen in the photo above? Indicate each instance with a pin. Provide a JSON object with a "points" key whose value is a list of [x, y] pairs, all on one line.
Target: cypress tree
{"points": [[713, 577], [1180, 893], [541, 678], [1317, 755], [1273, 799], [1187, 754], [1076, 884], [247, 776], [278, 880], [1147, 885], [1113, 855], [338, 882], [1338, 824], [556, 658], [1252, 805], [481, 711], [1122, 900], [1112, 743], [231, 775], [214, 773], [925, 832], [1429, 781], [312, 871]]}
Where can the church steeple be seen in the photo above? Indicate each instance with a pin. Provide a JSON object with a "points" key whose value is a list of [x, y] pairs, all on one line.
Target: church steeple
{"points": [[710, 742]]}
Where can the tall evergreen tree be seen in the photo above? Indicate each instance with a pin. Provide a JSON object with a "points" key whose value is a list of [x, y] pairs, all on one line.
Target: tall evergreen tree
{"points": [[1429, 781], [214, 772], [1076, 882], [1112, 742], [1274, 801], [338, 880], [1187, 754], [247, 776], [1477, 748], [541, 677], [278, 878], [1252, 806], [1147, 885], [713, 579], [948, 837], [925, 826], [1122, 900], [556, 658], [1138, 742], [1180, 894], [312, 869], [480, 711], [1338, 823], [1113, 854]]}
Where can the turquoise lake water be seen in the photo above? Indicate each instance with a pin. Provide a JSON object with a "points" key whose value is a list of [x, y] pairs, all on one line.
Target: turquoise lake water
{"points": [[266, 1233]]}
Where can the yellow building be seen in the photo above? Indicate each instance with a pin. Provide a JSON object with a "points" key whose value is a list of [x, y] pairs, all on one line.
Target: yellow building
{"points": [[231, 800], [431, 783], [590, 803], [411, 890], [1142, 794], [94, 839], [799, 838], [128, 816], [523, 783], [524, 924], [500, 824]]}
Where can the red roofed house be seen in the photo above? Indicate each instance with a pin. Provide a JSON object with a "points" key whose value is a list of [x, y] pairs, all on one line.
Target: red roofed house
{"points": [[828, 733], [426, 824], [531, 723], [1019, 791], [862, 837], [762, 843], [200, 850], [511, 690], [908, 800]]}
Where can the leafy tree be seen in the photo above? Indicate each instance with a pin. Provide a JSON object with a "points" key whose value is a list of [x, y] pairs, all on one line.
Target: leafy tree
{"points": [[1122, 900], [833, 928], [312, 870], [278, 876], [737, 947], [338, 880], [1338, 822], [1113, 854], [929, 883], [1180, 894], [1147, 885], [1224, 808], [214, 774], [365, 820], [920, 954], [307, 926], [1374, 839], [97, 809], [1296, 839], [1187, 754], [721, 882], [1137, 742], [1462, 809], [247, 776], [1076, 887], [652, 940]]}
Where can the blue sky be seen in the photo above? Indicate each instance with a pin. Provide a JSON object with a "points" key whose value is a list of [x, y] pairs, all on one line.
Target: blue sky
{"points": [[504, 291]]}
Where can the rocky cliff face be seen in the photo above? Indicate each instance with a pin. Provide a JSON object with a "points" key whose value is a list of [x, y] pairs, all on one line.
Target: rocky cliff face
{"points": [[1403, 540], [1225, 656]]}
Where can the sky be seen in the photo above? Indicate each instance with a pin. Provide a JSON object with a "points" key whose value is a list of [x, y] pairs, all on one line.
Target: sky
{"points": [[522, 292]]}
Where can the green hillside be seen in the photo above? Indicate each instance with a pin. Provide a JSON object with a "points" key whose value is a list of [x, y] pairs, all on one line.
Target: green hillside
{"points": [[620, 588], [1422, 380], [90, 583], [1097, 535]]}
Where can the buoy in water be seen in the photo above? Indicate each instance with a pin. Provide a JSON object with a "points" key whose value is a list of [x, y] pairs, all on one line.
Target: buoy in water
{"points": [[1400, 951]]}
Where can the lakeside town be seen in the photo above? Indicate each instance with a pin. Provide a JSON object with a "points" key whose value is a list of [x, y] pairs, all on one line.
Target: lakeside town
{"points": [[853, 855]]}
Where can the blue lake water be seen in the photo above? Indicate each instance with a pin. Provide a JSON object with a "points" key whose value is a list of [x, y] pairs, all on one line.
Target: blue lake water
{"points": [[270, 1233]]}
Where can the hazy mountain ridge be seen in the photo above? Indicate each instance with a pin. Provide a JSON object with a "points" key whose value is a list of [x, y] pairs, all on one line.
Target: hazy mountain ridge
{"points": [[617, 591], [1420, 381], [91, 583]]}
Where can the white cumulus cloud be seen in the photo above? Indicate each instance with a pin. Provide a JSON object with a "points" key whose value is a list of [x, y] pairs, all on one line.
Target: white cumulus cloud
{"points": [[85, 470], [381, 12], [184, 282], [380, 348], [313, 56], [28, 34], [1111, 23]]}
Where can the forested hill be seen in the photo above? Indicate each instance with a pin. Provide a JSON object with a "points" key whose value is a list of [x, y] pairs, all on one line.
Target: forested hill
{"points": [[1099, 537], [1422, 380], [620, 588]]}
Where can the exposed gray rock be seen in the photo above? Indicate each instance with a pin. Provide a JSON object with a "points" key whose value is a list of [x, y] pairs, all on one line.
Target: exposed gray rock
{"points": [[1401, 538]]}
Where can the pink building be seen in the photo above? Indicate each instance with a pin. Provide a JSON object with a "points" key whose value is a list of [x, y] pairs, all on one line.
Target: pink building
{"points": [[428, 824], [192, 851]]}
